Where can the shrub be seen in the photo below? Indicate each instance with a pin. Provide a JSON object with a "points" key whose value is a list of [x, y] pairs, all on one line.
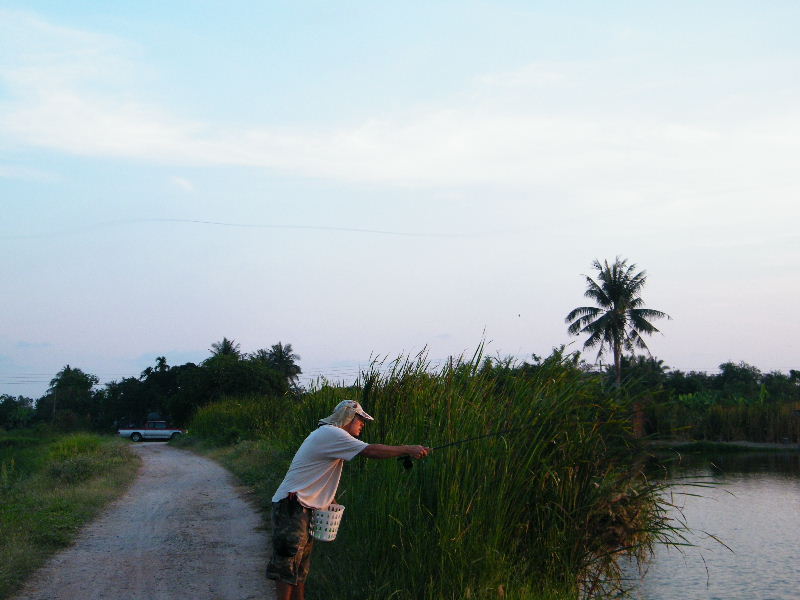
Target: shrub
{"points": [[74, 445], [73, 469]]}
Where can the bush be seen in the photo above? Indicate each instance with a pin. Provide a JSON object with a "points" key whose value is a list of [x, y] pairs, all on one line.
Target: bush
{"points": [[74, 445], [74, 469], [81, 456]]}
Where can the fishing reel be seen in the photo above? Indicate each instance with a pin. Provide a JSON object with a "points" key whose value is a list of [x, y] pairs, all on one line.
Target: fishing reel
{"points": [[406, 461]]}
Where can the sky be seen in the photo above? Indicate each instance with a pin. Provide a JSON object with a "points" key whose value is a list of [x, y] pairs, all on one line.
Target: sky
{"points": [[366, 179]]}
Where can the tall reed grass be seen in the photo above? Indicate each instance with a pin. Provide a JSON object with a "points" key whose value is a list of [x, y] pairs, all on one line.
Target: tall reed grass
{"points": [[544, 512], [234, 419]]}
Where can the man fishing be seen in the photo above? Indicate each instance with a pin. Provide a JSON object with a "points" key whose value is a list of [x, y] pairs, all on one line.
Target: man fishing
{"points": [[311, 483]]}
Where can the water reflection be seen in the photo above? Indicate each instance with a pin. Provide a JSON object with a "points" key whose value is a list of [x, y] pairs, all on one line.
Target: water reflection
{"points": [[754, 510]]}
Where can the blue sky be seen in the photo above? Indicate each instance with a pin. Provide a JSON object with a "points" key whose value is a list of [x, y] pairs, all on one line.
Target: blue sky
{"points": [[374, 178]]}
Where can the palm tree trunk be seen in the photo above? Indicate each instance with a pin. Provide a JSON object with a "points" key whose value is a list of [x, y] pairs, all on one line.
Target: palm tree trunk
{"points": [[618, 363], [639, 416]]}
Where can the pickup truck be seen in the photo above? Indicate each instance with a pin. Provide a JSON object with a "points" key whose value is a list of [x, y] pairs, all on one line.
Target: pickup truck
{"points": [[152, 430]]}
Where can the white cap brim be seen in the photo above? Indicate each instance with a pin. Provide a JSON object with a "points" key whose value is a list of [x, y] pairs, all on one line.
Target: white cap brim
{"points": [[363, 414]]}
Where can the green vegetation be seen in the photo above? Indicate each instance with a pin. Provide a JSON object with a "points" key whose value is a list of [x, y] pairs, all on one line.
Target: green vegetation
{"points": [[50, 485], [545, 512], [740, 403], [16, 412]]}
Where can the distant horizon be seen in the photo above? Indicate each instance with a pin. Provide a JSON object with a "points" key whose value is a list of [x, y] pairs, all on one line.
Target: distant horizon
{"points": [[343, 371]]}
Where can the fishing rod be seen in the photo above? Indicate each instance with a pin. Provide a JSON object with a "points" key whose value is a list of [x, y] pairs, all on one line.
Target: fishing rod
{"points": [[409, 464]]}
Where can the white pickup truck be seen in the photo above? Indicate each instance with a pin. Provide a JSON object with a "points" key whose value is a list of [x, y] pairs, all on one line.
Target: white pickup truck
{"points": [[152, 430]]}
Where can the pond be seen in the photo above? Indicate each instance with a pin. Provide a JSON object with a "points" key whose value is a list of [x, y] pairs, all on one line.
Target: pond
{"points": [[754, 509]]}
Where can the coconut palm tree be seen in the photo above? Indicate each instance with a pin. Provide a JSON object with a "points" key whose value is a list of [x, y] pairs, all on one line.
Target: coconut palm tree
{"points": [[619, 319], [225, 348], [283, 359]]}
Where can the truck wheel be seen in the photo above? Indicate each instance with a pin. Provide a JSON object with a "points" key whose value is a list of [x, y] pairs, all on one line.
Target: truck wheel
{"points": [[136, 436], [175, 436]]}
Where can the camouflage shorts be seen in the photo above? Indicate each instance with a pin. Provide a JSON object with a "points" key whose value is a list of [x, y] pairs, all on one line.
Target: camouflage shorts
{"points": [[291, 542]]}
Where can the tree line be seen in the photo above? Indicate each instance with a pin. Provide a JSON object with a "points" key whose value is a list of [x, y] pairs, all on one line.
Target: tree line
{"points": [[74, 400], [735, 384], [740, 402], [691, 404]]}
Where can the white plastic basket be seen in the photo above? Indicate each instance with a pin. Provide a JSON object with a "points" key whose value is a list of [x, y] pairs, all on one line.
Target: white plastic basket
{"points": [[325, 522]]}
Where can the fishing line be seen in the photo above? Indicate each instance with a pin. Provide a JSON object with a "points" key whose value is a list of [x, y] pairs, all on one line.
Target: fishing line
{"points": [[408, 463]]}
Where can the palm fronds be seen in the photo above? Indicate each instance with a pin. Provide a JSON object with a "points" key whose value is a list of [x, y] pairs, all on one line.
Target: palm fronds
{"points": [[619, 319]]}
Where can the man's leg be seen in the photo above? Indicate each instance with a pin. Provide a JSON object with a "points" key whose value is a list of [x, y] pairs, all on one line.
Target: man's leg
{"points": [[292, 545], [283, 591], [300, 591], [287, 591]]}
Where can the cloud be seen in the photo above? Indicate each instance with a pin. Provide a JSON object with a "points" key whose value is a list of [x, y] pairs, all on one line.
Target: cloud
{"points": [[183, 184], [76, 92], [544, 75]]}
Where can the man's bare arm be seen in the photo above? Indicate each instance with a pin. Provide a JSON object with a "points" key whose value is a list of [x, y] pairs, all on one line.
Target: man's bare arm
{"points": [[384, 451]]}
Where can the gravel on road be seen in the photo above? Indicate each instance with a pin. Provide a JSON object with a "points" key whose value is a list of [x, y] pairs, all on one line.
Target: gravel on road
{"points": [[181, 531]]}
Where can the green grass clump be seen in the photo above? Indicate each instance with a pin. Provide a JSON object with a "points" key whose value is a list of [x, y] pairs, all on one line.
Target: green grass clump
{"points": [[544, 512], [76, 444], [49, 487], [234, 419]]}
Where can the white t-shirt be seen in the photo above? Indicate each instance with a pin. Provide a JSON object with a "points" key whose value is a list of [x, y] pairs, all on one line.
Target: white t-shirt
{"points": [[317, 467]]}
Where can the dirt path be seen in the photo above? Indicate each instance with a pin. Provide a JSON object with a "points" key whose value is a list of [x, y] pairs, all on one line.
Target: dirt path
{"points": [[181, 531]]}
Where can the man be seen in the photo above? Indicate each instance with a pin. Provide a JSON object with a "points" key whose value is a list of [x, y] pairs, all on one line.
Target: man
{"points": [[311, 483]]}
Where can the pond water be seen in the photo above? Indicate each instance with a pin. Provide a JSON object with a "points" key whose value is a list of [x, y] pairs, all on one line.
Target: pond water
{"points": [[754, 509]]}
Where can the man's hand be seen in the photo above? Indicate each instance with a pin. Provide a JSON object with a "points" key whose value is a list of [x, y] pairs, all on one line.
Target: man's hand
{"points": [[417, 452]]}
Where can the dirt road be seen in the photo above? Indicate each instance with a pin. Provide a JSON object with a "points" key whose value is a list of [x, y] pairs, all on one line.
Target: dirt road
{"points": [[181, 531]]}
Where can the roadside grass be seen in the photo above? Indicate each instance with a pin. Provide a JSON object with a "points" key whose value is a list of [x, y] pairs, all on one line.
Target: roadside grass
{"points": [[51, 485], [544, 513]]}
